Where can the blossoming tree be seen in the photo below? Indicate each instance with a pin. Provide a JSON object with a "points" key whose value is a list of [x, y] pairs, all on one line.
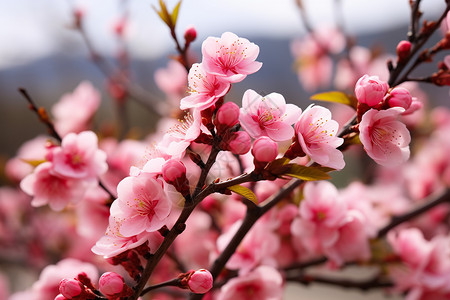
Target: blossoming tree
{"points": [[232, 200]]}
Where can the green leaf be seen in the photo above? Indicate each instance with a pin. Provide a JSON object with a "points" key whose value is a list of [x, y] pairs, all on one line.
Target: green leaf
{"points": [[163, 13], [244, 192], [33, 162], [174, 15], [336, 97], [306, 173], [277, 163]]}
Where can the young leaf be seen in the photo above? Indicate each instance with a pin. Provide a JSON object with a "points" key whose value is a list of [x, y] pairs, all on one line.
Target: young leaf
{"points": [[163, 13], [306, 173], [244, 192], [174, 15], [337, 97], [33, 163]]}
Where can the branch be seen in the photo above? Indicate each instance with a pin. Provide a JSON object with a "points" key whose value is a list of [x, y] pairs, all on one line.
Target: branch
{"points": [[135, 91], [44, 118], [421, 40], [431, 202], [365, 285]]}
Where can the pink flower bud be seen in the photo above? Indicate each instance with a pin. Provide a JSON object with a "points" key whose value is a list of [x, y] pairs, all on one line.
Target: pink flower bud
{"points": [[200, 282], [227, 115], [264, 149], [240, 143], [190, 34], [400, 97], [110, 284], [70, 288], [60, 297], [403, 50], [172, 170], [370, 90]]}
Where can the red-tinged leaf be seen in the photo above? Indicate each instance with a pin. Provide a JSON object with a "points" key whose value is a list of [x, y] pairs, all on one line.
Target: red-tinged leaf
{"points": [[174, 15], [336, 97], [244, 192], [306, 173]]}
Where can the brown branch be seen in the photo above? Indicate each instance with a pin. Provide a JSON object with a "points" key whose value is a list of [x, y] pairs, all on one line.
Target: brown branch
{"points": [[430, 203], [365, 285], [44, 118], [136, 92]]}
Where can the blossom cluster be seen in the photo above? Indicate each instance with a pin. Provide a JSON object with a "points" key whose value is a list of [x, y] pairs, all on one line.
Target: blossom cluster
{"points": [[164, 212]]}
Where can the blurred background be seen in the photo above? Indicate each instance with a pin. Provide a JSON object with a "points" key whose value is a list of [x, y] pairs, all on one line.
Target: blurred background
{"points": [[42, 53]]}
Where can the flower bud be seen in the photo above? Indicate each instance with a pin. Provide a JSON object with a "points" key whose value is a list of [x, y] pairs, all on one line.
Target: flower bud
{"points": [[400, 97], [60, 297], [370, 90], [403, 50], [264, 149], [240, 143], [110, 284], [200, 282], [190, 34], [70, 288], [172, 170], [227, 115]]}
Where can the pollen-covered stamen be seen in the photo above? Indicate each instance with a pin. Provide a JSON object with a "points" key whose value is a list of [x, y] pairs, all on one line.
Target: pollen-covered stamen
{"points": [[317, 131], [228, 57], [180, 129]]}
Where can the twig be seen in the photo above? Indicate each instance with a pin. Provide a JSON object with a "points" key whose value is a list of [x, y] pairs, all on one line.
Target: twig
{"points": [[135, 91], [372, 283], [44, 118], [431, 202]]}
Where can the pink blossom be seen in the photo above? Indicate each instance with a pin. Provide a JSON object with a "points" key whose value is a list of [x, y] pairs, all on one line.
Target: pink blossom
{"points": [[264, 149], [268, 116], [204, 89], [79, 156], [313, 63], [227, 116], [182, 134], [70, 288], [142, 203], [47, 286], [259, 246], [110, 284], [326, 225], [426, 268], [200, 282], [400, 97], [239, 143], [316, 132], [385, 139], [262, 283], [370, 90], [74, 111], [172, 80], [30, 153], [230, 57], [47, 187], [114, 243]]}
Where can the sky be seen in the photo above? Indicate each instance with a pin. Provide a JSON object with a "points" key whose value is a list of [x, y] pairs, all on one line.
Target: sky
{"points": [[30, 29]]}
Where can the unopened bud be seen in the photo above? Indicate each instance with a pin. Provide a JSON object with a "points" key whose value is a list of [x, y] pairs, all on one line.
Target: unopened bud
{"points": [[172, 170], [400, 97], [70, 288], [265, 149], [200, 282], [190, 34], [110, 284], [60, 297], [370, 90], [403, 50], [227, 116], [239, 143]]}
